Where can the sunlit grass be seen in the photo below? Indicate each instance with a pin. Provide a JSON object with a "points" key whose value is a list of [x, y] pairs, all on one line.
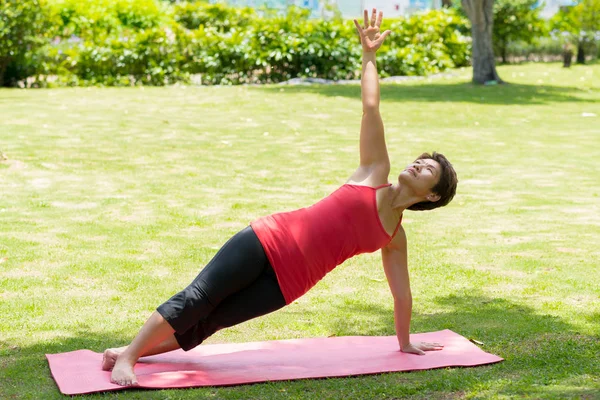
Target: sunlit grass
{"points": [[113, 199]]}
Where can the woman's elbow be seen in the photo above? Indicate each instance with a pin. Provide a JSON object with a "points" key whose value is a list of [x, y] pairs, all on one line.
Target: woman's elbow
{"points": [[403, 298], [370, 107]]}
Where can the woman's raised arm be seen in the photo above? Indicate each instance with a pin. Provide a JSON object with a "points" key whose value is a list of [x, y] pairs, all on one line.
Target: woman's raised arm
{"points": [[373, 151]]}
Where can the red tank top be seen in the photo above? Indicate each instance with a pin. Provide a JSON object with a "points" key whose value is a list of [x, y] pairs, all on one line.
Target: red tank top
{"points": [[304, 245]]}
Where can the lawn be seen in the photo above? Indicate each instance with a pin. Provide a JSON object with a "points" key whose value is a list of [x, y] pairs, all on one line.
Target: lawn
{"points": [[113, 199]]}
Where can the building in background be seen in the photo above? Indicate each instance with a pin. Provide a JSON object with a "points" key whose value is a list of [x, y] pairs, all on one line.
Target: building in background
{"points": [[551, 7], [391, 8], [348, 8]]}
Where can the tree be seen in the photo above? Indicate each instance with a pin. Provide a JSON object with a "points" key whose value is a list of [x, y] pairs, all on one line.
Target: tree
{"points": [[515, 20], [22, 30], [481, 15], [579, 24]]}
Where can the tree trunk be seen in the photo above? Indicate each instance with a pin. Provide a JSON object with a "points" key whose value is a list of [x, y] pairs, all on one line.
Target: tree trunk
{"points": [[504, 52], [3, 65], [580, 53], [481, 15], [446, 3], [567, 56]]}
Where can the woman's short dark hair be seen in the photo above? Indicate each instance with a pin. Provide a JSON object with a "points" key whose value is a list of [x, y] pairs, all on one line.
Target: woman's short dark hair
{"points": [[446, 186]]}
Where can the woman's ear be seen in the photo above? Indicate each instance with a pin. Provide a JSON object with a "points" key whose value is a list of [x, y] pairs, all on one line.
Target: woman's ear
{"points": [[433, 197]]}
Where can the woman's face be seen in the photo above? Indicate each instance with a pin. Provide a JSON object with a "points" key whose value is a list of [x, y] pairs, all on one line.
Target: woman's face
{"points": [[421, 176]]}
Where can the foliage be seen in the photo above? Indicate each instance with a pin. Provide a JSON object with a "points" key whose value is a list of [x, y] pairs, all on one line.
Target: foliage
{"points": [[543, 48], [23, 28], [129, 42], [88, 19], [515, 21], [294, 46], [220, 16], [427, 43], [578, 25], [107, 42], [274, 48]]}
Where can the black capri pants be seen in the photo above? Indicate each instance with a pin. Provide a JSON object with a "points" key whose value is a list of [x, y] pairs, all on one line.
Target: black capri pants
{"points": [[238, 284]]}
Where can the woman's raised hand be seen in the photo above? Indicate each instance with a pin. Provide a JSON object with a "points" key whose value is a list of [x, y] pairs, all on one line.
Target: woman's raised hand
{"points": [[370, 37]]}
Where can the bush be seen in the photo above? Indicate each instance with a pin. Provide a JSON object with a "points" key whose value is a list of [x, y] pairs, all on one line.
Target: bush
{"points": [[539, 49], [149, 56], [331, 51], [125, 42], [219, 58], [294, 46], [23, 29], [578, 26], [107, 42], [219, 16], [515, 21], [88, 19], [427, 44]]}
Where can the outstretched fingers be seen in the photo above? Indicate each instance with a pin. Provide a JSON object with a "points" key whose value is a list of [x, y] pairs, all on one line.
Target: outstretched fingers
{"points": [[379, 19], [359, 29], [384, 35], [374, 17], [366, 18]]}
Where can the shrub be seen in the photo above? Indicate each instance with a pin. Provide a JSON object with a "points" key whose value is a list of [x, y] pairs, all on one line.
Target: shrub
{"points": [[88, 19], [219, 16], [539, 49], [293, 45], [427, 43], [107, 42], [125, 42], [579, 26], [148, 56], [220, 58], [24, 27], [515, 21]]}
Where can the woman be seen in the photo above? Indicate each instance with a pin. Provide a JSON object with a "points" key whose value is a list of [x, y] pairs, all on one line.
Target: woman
{"points": [[279, 257]]}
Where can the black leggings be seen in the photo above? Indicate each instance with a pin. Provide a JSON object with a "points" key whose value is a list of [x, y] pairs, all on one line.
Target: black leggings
{"points": [[238, 284]]}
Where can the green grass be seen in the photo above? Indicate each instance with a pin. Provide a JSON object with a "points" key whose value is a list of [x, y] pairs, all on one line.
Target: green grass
{"points": [[112, 199]]}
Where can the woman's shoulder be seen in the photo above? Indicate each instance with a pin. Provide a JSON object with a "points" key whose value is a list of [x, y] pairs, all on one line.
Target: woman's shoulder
{"points": [[371, 176], [367, 185]]}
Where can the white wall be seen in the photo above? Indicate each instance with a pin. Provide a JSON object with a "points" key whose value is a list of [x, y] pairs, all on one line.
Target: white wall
{"points": [[393, 8], [390, 8]]}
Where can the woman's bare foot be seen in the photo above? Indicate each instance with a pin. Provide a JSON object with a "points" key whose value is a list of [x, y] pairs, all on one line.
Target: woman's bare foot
{"points": [[110, 358], [155, 337], [123, 373]]}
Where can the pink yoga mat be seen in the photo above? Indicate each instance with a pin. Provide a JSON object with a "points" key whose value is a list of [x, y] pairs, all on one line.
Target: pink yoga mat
{"points": [[79, 372]]}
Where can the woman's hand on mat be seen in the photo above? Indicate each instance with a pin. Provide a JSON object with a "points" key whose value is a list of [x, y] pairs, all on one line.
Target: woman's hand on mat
{"points": [[421, 348], [370, 37]]}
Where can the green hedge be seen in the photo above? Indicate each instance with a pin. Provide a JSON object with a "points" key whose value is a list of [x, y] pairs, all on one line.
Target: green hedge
{"points": [[427, 43], [130, 42], [23, 29]]}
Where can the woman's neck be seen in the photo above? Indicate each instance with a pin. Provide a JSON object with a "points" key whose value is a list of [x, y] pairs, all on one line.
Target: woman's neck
{"points": [[401, 197]]}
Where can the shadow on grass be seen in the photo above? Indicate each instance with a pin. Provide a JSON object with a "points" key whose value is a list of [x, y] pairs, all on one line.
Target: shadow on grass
{"points": [[543, 354], [24, 372], [510, 94]]}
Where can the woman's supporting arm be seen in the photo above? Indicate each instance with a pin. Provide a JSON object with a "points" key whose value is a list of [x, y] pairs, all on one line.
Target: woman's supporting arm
{"points": [[395, 264]]}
